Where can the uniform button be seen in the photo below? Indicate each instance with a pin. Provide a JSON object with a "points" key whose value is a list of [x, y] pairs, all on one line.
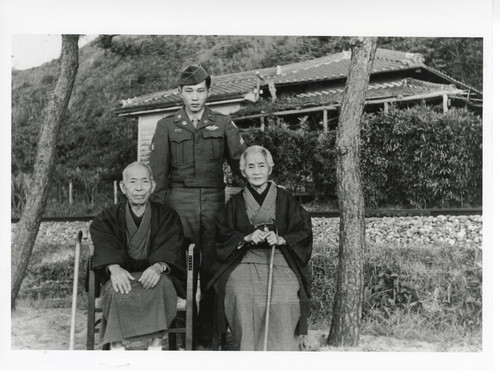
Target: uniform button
{"points": [[206, 121], [179, 116], [184, 123]]}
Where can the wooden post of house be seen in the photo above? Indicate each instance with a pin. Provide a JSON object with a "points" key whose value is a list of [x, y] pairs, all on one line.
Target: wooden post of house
{"points": [[325, 120], [115, 191], [262, 123], [386, 107], [445, 103], [70, 193]]}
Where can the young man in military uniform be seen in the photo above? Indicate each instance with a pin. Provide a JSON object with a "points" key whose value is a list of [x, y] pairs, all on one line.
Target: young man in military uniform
{"points": [[187, 153]]}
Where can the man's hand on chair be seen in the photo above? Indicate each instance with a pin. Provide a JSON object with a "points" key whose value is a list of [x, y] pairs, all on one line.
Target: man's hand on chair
{"points": [[151, 276], [120, 279]]}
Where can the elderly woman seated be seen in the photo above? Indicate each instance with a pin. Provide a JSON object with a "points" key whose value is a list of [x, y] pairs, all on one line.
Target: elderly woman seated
{"points": [[254, 220]]}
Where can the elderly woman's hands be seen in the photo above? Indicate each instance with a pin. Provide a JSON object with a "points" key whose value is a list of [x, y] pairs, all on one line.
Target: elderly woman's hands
{"points": [[258, 236], [273, 239]]}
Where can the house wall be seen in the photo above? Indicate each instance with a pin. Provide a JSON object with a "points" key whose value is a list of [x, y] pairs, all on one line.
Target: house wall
{"points": [[147, 126]]}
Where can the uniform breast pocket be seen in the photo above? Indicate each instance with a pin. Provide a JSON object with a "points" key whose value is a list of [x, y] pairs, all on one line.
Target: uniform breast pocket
{"points": [[213, 143], [181, 148]]}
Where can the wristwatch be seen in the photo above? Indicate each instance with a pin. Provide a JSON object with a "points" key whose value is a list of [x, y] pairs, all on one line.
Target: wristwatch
{"points": [[164, 266]]}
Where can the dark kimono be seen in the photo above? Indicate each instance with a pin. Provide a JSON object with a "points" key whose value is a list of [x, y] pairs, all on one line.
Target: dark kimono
{"points": [[141, 313], [292, 223]]}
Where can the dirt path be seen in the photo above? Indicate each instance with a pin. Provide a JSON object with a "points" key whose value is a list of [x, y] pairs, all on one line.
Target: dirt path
{"points": [[49, 329]]}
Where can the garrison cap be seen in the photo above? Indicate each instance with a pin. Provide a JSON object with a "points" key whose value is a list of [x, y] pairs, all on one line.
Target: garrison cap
{"points": [[192, 74]]}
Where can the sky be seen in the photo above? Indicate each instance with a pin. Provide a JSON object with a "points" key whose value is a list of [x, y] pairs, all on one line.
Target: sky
{"points": [[32, 50]]}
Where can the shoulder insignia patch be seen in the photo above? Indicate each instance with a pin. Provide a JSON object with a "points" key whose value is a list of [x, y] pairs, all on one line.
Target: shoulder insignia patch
{"points": [[212, 127], [168, 115]]}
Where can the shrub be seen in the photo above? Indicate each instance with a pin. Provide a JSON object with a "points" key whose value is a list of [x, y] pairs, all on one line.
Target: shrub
{"points": [[414, 158], [292, 151], [418, 157], [437, 287]]}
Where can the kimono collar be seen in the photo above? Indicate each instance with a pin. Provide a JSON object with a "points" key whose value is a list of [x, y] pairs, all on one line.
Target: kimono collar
{"points": [[258, 214], [138, 237]]}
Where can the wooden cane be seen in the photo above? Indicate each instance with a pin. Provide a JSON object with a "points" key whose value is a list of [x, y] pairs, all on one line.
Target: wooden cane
{"points": [[75, 290], [268, 296]]}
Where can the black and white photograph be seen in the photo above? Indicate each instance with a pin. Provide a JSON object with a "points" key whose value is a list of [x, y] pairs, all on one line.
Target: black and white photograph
{"points": [[250, 195]]}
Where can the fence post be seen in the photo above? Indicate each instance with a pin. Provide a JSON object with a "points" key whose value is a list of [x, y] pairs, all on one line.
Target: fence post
{"points": [[386, 107], [445, 103], [325, 120], [70, 192], [115, 190]]}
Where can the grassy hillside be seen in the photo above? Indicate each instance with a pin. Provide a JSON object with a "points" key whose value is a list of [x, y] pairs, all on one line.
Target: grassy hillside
{"points": [[95, 143]]}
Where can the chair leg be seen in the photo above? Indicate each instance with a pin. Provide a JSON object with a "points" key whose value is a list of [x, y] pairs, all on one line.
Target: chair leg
{"points": [[172, 337]]}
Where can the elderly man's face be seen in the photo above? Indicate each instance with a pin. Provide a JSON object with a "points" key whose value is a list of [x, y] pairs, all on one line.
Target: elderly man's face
{"points": [[137, 185]]}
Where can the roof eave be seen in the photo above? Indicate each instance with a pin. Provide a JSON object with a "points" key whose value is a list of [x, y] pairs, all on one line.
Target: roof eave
{"points": [[169, 106], [452, 80]]}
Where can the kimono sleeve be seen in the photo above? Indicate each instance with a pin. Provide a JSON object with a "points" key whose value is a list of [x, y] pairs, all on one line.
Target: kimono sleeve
{"points": [[169, 244], [229, 237], [298, 235], [108, 246]]}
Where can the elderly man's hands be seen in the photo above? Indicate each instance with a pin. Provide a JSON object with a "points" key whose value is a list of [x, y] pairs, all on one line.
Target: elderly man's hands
{"points": [[120, 279], [151, 276]]}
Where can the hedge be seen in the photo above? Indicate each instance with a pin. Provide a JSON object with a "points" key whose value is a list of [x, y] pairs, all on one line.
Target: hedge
{"points": [[415, 158]]}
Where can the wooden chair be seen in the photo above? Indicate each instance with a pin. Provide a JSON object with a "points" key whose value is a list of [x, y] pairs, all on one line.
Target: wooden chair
{"points": [[182, 324]]}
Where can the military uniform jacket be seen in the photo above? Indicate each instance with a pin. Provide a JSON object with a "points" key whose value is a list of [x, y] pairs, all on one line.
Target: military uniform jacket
{"points": [[182, 156]]}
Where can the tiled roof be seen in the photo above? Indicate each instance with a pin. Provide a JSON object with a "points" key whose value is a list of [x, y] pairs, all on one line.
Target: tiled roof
{"points": [[394, 89], [237, 85]]}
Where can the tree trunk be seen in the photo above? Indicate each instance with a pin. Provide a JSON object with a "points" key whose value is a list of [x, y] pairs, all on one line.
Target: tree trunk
{"points": [[347, 306], [52, 117]]}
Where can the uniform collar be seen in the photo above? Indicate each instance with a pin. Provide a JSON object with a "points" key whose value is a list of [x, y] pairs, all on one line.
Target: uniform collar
{"points": [[181, 117], [198, 116]]}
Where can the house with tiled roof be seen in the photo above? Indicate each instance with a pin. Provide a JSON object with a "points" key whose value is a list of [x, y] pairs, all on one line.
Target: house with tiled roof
{"points": [[311, 89]]}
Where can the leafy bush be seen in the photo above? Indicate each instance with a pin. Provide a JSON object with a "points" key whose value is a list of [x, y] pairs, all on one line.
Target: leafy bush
{"points": [[415, 158], [420, 158], [410, 158], [292, 151]]}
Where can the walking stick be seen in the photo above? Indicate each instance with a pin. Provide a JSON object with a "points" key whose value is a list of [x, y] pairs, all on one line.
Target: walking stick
{"points": [[75, 290], [269, 292]]}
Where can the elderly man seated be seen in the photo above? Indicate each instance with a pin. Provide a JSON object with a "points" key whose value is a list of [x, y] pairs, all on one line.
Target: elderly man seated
{"points": [[140, 258]]}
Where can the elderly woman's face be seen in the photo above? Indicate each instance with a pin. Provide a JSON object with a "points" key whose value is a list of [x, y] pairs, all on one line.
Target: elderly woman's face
{"points": [[256, 169]]}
